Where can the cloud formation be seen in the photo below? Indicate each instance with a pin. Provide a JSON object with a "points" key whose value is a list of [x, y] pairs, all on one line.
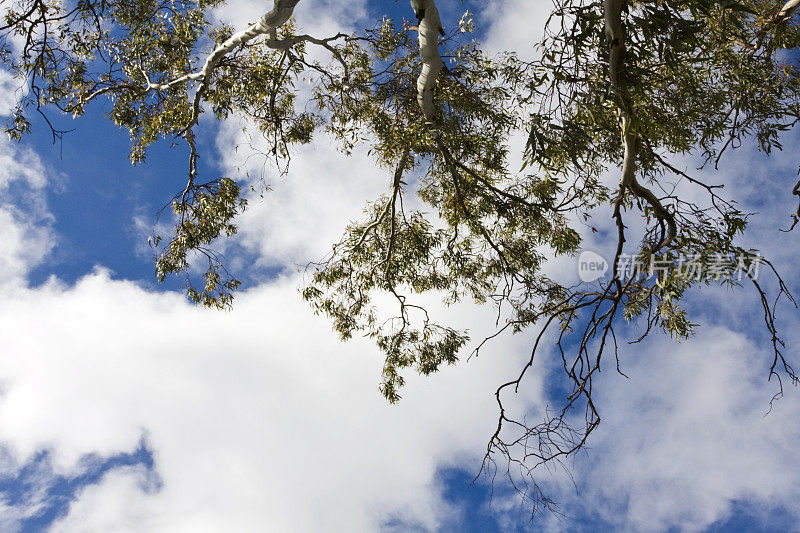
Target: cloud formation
{"points": [[27, 236], [256, 418]]}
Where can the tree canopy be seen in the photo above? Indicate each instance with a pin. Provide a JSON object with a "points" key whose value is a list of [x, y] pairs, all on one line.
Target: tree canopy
{"points": [[617, 88]]}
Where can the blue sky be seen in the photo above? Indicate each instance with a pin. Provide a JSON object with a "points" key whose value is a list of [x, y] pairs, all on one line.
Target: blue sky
{"points": [[124, 408]]}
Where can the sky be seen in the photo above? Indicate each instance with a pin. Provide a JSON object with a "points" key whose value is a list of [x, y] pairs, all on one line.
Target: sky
{"points": [[125, 408]]}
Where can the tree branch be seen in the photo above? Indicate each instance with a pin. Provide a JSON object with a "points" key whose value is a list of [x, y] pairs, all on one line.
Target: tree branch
{"points": [[630, 138], [432, 64]]}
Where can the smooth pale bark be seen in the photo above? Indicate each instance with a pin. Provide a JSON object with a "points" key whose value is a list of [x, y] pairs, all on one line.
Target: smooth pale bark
{"points": [[615, 31], [429, 53], [268, 24], [787, 9], [429, 27], [281, 12]]}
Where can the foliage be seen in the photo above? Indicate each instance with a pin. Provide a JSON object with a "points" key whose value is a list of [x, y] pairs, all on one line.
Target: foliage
{"points": [[617, 83]]}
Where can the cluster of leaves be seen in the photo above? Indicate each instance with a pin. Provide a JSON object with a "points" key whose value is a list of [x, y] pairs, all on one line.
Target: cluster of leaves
{"points": [[479, 231], [68, 56], [204, 212], [700, 77], [261, 83], [133, 52], [696, 84]]}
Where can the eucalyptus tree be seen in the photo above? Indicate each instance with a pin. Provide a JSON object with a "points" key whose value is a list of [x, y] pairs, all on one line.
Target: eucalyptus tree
{"points": [[617, 86]]}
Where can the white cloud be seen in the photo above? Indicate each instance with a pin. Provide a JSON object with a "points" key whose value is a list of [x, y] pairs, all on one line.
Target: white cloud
{"points": [[307, 210], [10, 91], [109, 505], [31, 499], [26, 237], [516, 25], [258, 418], [327, 17], [22, 246], [686, 436]]}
